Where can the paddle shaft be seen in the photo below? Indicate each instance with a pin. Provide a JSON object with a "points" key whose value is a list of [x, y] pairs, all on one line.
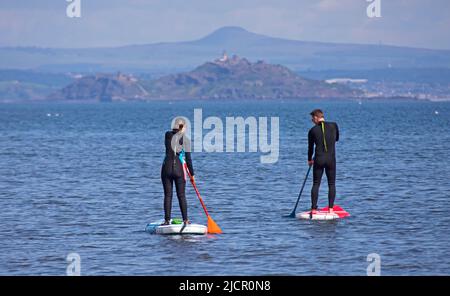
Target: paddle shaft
{"points": [[301, 191], [196, 190]]}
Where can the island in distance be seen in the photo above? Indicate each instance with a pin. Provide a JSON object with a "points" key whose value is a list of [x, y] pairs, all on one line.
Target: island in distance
{"points": [[225, 78]]}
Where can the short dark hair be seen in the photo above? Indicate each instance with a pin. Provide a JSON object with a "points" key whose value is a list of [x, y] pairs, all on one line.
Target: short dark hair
{"points": [[317, 112]]}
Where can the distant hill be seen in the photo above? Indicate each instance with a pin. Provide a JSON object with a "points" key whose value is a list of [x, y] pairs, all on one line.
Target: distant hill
{"points": [[172, 57], [101, 87], [24, 85], [237, 78], [35, 77], [225, 78]]}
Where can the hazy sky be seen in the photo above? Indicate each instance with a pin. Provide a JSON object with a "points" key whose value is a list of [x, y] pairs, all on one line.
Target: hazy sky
{"points": [[417, 23]]}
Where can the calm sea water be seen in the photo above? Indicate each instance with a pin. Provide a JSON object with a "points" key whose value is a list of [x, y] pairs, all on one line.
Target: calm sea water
{"points": [[85, 178]]}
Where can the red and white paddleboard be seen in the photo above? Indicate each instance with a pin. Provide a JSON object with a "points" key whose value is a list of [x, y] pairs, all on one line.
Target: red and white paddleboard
{"points": [[324, 214]]}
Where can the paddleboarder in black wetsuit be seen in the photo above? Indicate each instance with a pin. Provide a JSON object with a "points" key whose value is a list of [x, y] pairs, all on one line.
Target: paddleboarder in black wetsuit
{"points": [[172, 169], [323, 136]]}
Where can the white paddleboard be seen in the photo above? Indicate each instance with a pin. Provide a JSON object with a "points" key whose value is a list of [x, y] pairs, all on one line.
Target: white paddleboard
{"points": [[193, 229]]}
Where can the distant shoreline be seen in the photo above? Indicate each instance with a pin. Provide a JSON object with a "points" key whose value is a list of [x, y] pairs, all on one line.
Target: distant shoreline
{"points": [[88, 102]]}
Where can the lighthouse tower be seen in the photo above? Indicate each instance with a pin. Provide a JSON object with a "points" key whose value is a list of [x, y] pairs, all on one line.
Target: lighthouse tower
{"points": [[224, 57]]}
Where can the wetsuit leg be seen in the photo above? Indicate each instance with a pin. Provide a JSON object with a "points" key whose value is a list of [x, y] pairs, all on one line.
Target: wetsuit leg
{"points": [[180, 185], [330, 171], [317, 177], [167, 182]]}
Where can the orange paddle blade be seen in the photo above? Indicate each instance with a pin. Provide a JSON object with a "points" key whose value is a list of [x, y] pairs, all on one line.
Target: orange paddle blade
{"points": [[213, 227]]}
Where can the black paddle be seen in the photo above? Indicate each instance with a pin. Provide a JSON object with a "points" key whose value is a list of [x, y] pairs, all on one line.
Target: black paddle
{"points": [[292, 215]]}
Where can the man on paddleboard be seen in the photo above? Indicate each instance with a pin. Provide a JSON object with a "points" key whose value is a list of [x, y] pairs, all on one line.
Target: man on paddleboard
{"points": [[323, 137], [172, 170]]}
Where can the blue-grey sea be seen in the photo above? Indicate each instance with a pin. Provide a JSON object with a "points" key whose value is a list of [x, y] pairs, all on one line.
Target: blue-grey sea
{"points": [[85, 178]]}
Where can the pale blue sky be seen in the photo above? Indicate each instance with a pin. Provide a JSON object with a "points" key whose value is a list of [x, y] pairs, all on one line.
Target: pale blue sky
{"points": [[416, 23]]}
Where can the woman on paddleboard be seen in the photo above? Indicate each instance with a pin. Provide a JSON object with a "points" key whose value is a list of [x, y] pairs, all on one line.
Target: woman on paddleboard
{"points": [[172, 171]]}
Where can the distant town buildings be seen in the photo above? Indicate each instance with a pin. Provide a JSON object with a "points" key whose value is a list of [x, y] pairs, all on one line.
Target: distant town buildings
{"points": [[346, 81]]}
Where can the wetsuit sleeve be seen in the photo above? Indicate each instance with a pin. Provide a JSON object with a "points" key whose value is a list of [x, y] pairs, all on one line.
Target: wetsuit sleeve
{"points": [[187, 152], [337, 132], [310, 145], [167, 140], [189, 162]]}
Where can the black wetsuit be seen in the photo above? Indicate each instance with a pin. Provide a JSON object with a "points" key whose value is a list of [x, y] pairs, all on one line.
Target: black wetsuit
{"points": [[324, 159], [172, 172]]}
